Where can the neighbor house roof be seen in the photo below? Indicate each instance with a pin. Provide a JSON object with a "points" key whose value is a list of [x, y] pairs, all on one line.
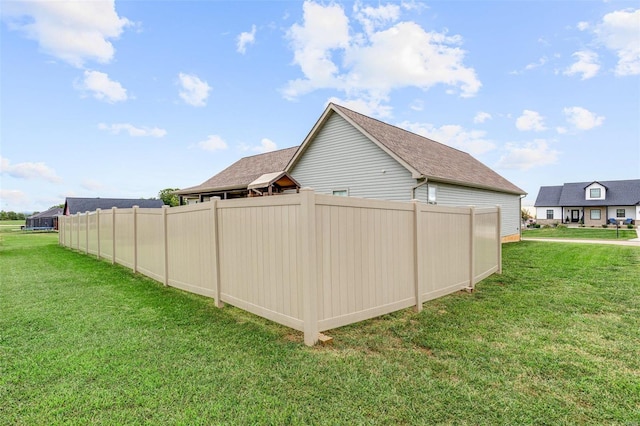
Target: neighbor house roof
{"points": [[619, 193], [75, 205], [54, 211], [423, 157], [244, 171]]}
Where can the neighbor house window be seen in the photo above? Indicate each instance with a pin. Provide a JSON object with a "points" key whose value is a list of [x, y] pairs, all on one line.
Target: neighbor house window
{"points": [[620, 213], [594, 193], [431, 195], [341, 192], [549, 214], [595, 214]]}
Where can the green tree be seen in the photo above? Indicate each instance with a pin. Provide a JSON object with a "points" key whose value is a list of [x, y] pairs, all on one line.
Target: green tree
{"points": [[526, 215], [169, 196]]}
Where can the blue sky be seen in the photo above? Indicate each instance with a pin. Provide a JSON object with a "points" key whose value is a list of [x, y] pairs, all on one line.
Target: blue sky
{"points": [[104, 99]]}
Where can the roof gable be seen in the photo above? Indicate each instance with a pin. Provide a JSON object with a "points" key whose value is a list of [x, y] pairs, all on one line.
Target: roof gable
{"points": [[423, 157], [244, 171]]}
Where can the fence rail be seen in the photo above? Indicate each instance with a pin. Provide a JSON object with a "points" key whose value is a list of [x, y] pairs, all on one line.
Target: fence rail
{"points": [[309, 261]]}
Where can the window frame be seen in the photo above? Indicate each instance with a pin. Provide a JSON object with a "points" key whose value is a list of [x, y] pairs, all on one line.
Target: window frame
{"points": [[595, 197], [591, 214], [340, 192], [619, 214], [549, 213]]}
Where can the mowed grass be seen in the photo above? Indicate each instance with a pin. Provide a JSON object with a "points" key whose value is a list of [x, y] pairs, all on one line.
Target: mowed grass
{"points": [[581, 233], [554, 340]]}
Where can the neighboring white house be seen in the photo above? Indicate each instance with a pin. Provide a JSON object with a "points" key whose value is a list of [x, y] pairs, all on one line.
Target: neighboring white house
{"points": [[591, 203], [350, 154]]}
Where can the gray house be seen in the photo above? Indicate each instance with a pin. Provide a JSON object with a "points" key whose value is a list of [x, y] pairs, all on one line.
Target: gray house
{"points": [[350, 154], [591, 203], [347, 153], [73, 205], [44, 220]]}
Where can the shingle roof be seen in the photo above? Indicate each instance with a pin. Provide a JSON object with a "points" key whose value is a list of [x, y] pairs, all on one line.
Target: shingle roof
{"points": [[54, 211], [80, 205], [244, 171], [619, 193], [431, 159]]}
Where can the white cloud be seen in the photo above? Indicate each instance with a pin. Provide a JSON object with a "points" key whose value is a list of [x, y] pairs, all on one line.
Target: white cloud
{"points": [[372, 18], [534, 65], [530, 120], [620, 32], [246, 38], [29, 170], [383, 58], [481, 117], [530, 155], [73, 31], [194, 91], [471, 141], [12, 197], [583, 25], [102, 87], [116, 128], [582, 119], [213, 143], [587, 64], [417, 105], [370, 107], [266, 145]]}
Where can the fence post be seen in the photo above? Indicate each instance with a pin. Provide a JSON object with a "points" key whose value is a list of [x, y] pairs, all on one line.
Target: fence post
{"points": [[499, 237], [215, 252], [165, 243], [417, 255], [472, 247], [86, 234], [98, 231], [309, 265], [113, 235], [135, 239], [78, 231]]}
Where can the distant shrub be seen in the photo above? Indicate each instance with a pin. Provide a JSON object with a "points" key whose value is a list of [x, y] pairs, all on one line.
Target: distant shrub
{"points": [[605, 226], [630, 226], [561, 226], [546, 226]]}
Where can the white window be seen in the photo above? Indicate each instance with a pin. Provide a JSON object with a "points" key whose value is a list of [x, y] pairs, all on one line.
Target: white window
{"points": [[431, 194], [594, 193], [550, 214], [620, 213], [595, 214], [341, 192]]}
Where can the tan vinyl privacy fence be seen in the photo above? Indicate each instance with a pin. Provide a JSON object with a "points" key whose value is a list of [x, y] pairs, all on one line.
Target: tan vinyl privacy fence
{"points": [[311, 262]]}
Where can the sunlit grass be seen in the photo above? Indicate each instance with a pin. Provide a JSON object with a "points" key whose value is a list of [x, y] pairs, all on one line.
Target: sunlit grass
{"points": [[554, 340]]}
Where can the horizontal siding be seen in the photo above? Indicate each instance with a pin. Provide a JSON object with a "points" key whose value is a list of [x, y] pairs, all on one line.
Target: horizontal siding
{"points": [[451, 195], [340, 157]]}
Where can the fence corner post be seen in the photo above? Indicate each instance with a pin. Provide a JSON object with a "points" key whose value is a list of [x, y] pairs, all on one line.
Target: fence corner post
{"points": [[309, 274], [165, 243], [472, 247], [417, 255], [215, 253]]}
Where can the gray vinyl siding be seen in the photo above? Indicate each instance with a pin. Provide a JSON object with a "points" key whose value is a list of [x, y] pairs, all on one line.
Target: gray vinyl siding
{"points": [[340, 157], [452, 195]]}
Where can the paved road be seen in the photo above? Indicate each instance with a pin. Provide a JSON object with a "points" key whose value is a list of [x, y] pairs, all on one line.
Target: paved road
{"points": [[634, 242]]}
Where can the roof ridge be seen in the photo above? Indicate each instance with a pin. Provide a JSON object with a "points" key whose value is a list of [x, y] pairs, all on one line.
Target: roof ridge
{"points": [[269, 152]]}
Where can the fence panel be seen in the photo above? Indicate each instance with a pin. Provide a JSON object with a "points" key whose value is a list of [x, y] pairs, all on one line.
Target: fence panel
{"points": [[260, 257], [106, 242], [150, 243], [125, 237], [82, 231], [191, 266], [446, 239], [486, 248], [365, 258], [92, 237]]}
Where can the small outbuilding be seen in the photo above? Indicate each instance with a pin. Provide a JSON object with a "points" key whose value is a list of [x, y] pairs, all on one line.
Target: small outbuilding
{"points": [[44, 220]]}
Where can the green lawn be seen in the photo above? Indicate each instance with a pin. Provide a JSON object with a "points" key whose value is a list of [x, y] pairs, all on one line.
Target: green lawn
{"points": [[581, 233], [554, 340], [10, 225]]}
